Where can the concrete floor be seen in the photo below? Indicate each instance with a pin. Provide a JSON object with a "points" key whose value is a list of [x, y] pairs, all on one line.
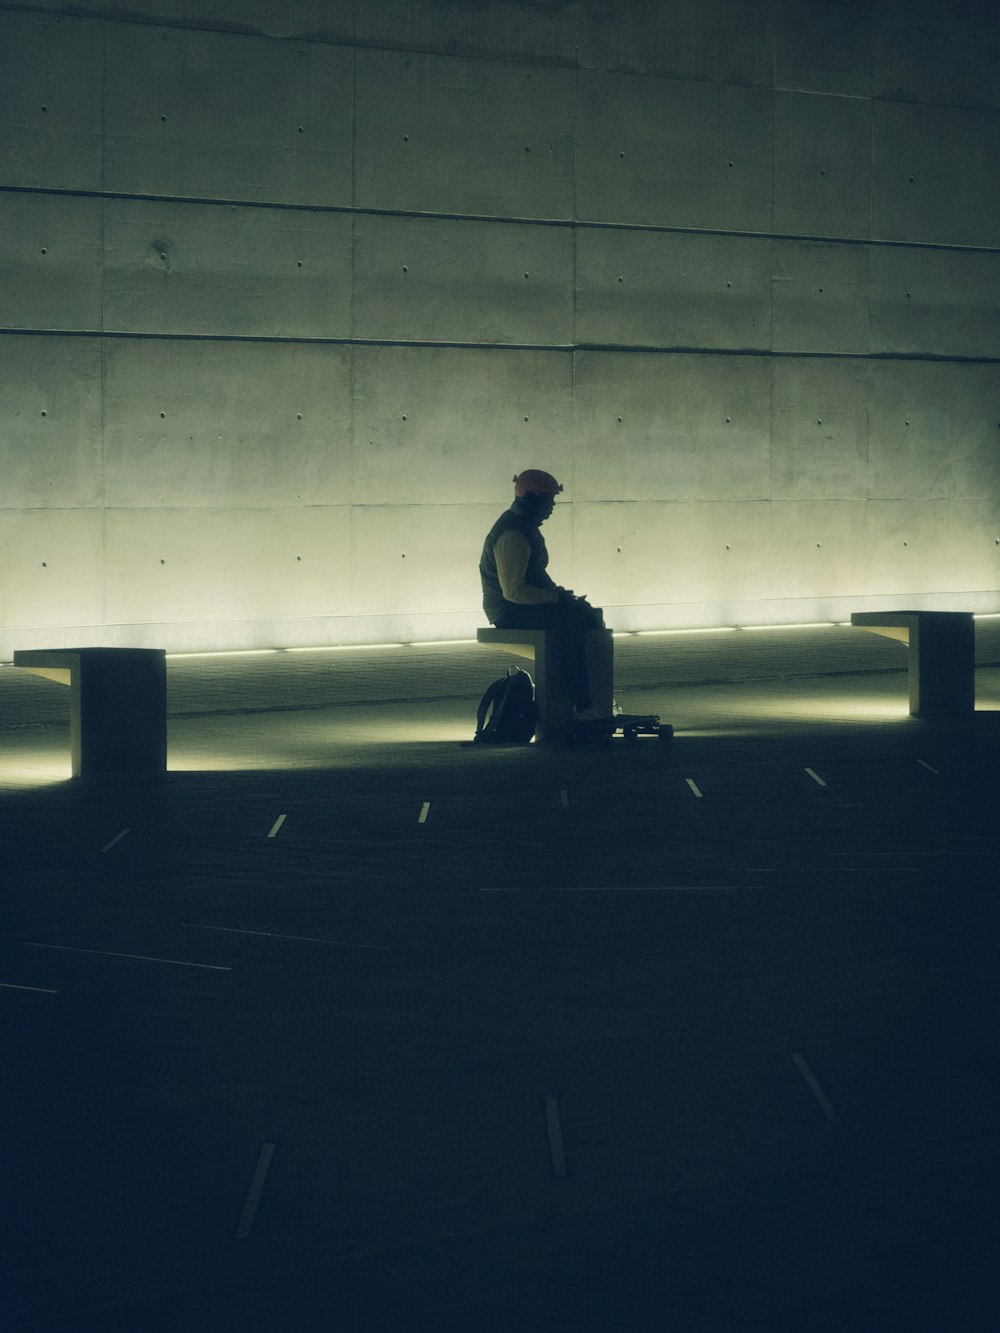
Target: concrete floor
{"points": [[345, 1026]]}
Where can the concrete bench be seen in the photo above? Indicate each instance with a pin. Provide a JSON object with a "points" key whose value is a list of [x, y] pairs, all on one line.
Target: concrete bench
{"points": [[118, 706], [539, 646], [942, 656]]}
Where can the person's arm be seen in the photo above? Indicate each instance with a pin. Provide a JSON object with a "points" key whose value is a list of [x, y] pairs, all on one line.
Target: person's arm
{"points": [[512, 553]]}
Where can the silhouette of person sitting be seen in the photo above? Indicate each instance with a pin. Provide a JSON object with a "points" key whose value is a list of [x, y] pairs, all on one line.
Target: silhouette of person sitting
{"points": [[518, 592]]}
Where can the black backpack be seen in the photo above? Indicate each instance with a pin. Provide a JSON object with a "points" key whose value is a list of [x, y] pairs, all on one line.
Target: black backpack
{"points": [[510, 703]]}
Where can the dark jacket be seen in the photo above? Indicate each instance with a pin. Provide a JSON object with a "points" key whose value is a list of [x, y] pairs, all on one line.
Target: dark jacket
{"points": [[494, 602]]}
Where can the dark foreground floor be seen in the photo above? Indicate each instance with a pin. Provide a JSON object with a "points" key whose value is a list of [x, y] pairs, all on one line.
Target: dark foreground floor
{"points": [[346, 1027]]}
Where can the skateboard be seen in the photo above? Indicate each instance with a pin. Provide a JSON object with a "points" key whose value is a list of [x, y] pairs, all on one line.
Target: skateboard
{"points": [[600, 730]]}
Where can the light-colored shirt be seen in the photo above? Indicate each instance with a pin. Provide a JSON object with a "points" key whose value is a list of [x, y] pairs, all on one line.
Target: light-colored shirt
{"points": [[512, 553]]}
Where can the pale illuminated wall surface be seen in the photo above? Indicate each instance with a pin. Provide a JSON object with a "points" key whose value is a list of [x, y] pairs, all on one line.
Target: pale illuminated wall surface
{"points": [[291, 290]]}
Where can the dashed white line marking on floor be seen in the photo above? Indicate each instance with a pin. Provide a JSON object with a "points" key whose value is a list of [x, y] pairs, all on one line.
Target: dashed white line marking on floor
{"points": [[694, 786], [138, 957], [425, 810], [39, 990], [930, 767], [276, 826], [275, 935], [553, 1125], [813, 1084], [115, 840], [252, 1203], [815, 777], [610, 888]]}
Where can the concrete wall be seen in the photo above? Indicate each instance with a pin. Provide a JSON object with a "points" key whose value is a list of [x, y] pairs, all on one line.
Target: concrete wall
{"points": [[290, 291]]}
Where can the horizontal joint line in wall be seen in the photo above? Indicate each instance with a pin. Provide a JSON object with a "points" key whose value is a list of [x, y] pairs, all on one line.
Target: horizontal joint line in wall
{"points": [[584, 224], [631, 349]]}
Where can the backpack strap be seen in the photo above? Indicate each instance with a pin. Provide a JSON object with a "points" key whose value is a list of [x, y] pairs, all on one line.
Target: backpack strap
{"points": [[486, 703]]}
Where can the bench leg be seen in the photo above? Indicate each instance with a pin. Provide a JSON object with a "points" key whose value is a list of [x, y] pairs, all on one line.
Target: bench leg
{"points": [[942, 668], [555, 707], [118, 717]]}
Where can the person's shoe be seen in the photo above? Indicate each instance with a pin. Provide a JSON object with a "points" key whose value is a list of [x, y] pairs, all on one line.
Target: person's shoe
{"points": [[589, 714]]}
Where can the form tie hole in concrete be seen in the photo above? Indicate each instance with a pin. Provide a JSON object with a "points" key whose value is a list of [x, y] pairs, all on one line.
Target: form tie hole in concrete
{"points": [[298, 416], [298, 263], [619, 421], [163, 562], [298, 557], [45, 564], [405, 269], [44, 413], [44, 251], [163, 416]]}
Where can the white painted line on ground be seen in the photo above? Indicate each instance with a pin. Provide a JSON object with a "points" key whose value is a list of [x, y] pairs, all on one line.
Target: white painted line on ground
{"points": [[564, 798], [138, 957], [815, 777], [425, 810], [813, 1084], [694, 786], [276, 826], [115, 840], [930, 767], [610, 888], [245, 1225], [39, 990], [557, 1151], [275, 935]]}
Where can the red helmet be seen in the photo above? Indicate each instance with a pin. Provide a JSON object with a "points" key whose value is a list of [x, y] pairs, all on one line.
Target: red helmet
{"points": [[535, 482]]}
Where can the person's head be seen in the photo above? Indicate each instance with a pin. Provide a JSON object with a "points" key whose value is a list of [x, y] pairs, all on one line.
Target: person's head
{"points": [[535, 494]]}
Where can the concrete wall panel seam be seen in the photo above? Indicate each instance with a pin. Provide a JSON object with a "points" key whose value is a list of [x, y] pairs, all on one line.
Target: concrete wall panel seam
{"points": [[581, 224], [665, 349]]}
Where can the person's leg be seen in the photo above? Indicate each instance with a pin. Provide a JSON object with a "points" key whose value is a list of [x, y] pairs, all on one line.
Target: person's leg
{"points": [[572, 626]]}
